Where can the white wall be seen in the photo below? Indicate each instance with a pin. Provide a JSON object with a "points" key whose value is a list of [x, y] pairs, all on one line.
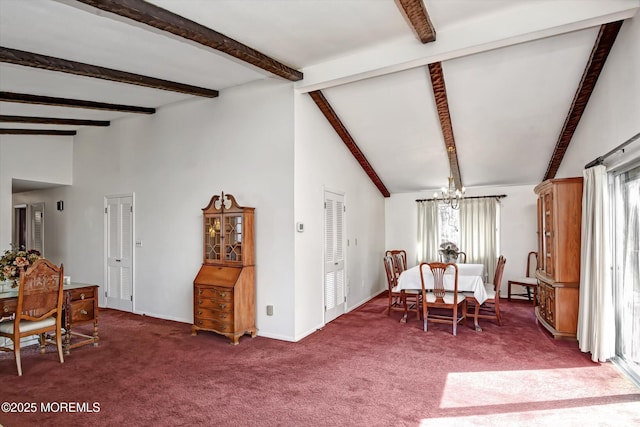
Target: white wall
{"points": [[174, 161], [323, 161], [518, 224], [613, 113], [33, 158]]}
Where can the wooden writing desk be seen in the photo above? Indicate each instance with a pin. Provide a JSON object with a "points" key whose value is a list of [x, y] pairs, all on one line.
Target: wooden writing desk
{"points": [[80, 305]]}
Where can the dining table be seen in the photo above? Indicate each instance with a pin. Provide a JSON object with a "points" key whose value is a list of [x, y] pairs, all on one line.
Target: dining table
{"points": [[470, 279]]}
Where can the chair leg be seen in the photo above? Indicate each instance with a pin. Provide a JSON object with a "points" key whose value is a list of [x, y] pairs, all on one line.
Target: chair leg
{"points": [[475, 317], [16, 354], [425, 315], [42, 341], [498, 317], [509, 291], [455, 319], [59, 345]]}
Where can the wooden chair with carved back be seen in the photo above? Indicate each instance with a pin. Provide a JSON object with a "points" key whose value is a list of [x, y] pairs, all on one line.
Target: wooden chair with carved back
{"points": [[529, 281], [439, 298], [399, 257], [490, 309], [399, 300], [39, 309]]}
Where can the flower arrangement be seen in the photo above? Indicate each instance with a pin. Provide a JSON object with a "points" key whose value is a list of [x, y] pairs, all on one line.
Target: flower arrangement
{"points": [[15, 259], [449, 250]]}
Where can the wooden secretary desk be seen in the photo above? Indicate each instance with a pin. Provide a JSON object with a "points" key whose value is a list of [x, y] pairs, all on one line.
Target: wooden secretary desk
{"points": [[224, 289]]}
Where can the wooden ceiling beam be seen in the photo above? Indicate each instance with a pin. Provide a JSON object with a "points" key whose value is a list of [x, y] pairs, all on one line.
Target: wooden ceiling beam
{"points": [[442, 104], [162, 19], [415, 12], [44, 62], [595, 64], [24, 98], [48, 132], [348, 140], [52, 121]]}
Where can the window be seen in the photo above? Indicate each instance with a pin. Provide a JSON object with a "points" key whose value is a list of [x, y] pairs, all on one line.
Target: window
{"points": [[626, 240], [449, 224]]}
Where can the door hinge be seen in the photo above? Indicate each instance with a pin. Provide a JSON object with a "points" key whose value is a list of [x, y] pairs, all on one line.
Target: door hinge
{"points": [[131, 298], [325, 205], [105, 294], [105, 210], [344, 208], [131, 209]]}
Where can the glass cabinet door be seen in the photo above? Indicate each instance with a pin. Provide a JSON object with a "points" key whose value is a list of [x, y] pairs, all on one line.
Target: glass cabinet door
{"points": [[212, 238], [233, 237]]}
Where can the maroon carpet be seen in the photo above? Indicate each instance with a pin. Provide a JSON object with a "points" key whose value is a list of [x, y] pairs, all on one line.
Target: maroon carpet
{"points": [[363, 369]]}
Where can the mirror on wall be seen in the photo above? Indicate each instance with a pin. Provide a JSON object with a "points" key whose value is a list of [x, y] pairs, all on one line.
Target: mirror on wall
{"points": [[28, 226]]}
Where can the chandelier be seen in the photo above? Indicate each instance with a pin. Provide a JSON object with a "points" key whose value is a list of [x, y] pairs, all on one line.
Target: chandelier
{"points": [[450, 196]]}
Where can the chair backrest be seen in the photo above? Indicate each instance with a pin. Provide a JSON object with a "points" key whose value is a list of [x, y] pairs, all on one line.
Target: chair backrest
{"points": [[399, 257], [389, 270], [462, 257], [41, 290], [438, 270], [530, 272], [497, 278]]}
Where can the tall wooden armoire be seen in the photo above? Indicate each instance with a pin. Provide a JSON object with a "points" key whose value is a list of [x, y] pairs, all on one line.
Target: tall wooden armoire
{"points": [[224, 289], [559, 229]]}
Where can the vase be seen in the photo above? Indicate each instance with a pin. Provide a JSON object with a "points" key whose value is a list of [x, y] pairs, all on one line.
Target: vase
{"points": [[450, 258]]}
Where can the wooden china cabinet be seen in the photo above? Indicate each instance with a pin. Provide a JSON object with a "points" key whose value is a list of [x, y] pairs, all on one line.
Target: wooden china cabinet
{"points": [[224, 289], [559, 222]]}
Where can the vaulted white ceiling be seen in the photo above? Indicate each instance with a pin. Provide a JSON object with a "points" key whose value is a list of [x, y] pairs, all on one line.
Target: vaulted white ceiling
{"points": [[511, 71]]}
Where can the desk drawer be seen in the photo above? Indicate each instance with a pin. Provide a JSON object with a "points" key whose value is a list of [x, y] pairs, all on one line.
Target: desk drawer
{"points": [[222, 294], [224, 316], [82, 310], [214, 324], [8, 306], [82, 294]]}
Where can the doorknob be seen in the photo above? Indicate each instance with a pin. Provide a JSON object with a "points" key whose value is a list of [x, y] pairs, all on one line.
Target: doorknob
{"points": [[117, 260]]}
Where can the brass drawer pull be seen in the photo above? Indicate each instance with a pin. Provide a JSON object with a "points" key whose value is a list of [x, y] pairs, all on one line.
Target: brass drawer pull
{"points": [[223, 294], [200, 312], [5, 308], [199, 301], [84, 312], [223, 316], [82, 296], [223, 306], [199, 322]]}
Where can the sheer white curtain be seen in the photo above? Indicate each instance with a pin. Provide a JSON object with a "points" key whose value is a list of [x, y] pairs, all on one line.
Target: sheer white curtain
{"points": [[478, 233], [428, 231], [596, 321]]}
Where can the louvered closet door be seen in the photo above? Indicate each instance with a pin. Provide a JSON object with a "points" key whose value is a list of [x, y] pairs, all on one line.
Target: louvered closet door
{"points": [[334, 252], [119, 286]]}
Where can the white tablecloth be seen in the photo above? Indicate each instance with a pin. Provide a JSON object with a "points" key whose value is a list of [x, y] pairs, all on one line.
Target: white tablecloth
{"points": [[470, 270], [410, 279]]}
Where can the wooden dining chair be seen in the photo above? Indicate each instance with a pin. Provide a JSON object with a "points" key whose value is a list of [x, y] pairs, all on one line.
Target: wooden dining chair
{"points": [[462, 257], [490, 309], [439, 298], [529, 281], [399, 300], [399, 257], [39, 309]]}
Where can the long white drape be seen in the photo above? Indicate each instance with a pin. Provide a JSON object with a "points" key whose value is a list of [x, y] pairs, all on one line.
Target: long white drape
{"points": [[428, 231], [478, 230], [596, 321]]}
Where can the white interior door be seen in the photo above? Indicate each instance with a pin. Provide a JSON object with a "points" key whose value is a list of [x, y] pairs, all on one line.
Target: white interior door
{"points": [[119, 247], [334, 272]]}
